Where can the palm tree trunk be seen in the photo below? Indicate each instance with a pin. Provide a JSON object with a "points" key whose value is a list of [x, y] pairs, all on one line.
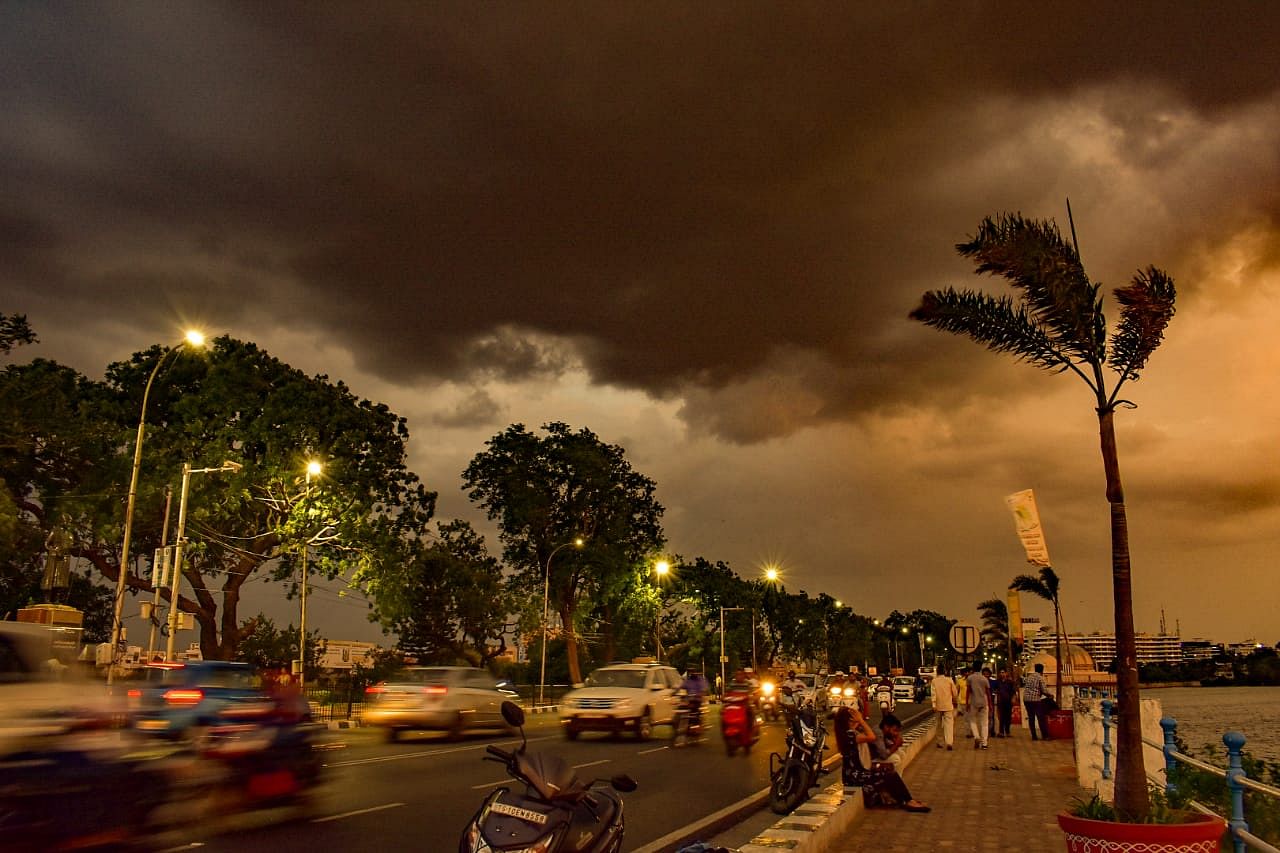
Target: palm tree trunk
{"points": [[1057, 648], [1131, 798]]}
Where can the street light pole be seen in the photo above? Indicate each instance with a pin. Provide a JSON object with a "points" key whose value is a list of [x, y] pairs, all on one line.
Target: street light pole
{"points": [[181, 540], [723, 658], [546, 588], [195, 339], [313, 469]]}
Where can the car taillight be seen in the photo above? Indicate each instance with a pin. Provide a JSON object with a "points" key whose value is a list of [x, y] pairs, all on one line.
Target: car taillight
{"points": [[375, 688], [135, 693], [182, 696], [435, 690]]}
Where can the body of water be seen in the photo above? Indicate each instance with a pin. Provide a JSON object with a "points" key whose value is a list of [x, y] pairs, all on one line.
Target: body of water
{"points": [[1204, 714]]}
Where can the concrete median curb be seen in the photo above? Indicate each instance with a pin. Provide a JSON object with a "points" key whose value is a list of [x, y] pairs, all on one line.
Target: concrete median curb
{"points": [[823, 817]]}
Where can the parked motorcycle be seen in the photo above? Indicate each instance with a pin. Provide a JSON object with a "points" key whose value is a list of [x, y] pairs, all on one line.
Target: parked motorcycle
{"points": [[791, 776], [558, 812], [738, 723]]}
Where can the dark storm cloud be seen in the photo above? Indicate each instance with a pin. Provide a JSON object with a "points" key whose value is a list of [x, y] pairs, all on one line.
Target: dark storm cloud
{"points": [[734, 204]]}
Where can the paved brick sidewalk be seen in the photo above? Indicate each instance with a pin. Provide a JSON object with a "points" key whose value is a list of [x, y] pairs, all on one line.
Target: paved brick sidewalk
{"points": [[1006, 797]]}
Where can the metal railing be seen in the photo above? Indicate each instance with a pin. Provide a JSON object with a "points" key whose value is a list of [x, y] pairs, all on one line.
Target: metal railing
{"points": [[1234, 775]]}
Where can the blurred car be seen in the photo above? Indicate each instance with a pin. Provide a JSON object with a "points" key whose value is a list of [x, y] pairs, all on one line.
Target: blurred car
{"points": [[176, 700], [622, 697], [453, 699], [39, 693], [904, 687]]}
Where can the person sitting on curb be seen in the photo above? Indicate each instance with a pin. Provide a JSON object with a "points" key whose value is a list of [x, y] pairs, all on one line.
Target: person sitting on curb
{"points": [[888, 744], [878, 778]]}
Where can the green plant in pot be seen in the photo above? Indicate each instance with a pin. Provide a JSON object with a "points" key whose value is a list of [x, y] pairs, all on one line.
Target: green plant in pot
{"points": [[1056, 323], [1094, 826]]}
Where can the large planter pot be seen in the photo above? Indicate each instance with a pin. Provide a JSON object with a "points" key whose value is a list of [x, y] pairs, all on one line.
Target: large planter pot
{"points": [[1062, 724], [1198, 833]]}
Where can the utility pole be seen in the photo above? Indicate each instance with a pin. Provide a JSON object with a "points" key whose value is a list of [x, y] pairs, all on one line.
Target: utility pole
{"points": [[723, 657]]}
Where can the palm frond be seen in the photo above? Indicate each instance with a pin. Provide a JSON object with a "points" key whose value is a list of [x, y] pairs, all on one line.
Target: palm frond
{"points": [[1146, 307], [1045, 585], [993, 321], [1035, 258]]}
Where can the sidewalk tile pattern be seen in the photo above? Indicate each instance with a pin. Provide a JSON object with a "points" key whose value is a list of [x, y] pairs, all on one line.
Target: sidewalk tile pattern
{"points": [[1005, 798]]}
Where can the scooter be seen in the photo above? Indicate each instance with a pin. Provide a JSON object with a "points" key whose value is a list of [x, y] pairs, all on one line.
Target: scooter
{"points": [[791, 776], [557, 813], [738, 723], [687, 728], [884, 696], [769, 698]]}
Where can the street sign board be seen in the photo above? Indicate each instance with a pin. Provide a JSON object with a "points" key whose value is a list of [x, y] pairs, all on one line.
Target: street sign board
{"points": [[964, 637]]}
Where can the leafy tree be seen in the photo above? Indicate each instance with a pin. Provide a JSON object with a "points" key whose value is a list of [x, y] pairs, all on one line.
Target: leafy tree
{"points": [[1045, 586], [270, 648], [14, 332], [545, 492], [56, 483], [450, 601], [239, 403], [1058, 325]]}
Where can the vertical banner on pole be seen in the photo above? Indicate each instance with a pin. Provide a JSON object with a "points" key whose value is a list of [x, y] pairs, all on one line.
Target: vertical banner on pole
{"points": [[1015, 615], [1026, 519]]}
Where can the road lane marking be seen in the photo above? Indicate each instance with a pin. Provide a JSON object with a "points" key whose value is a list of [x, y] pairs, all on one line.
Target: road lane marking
{"points": [[489, 785], [407, 755], [592, 763], [356, 812], [655, 749]]}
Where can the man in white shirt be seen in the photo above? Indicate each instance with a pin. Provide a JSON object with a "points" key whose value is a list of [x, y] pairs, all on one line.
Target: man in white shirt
{"points": [[944, 704]]}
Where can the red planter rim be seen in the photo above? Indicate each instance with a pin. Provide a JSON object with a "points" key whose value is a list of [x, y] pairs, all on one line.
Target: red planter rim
{"points": [[1197, 832]]}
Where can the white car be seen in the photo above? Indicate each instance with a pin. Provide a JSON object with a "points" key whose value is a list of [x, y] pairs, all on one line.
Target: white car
{"points": [[904, 687], [453, 699], [622, 697]]}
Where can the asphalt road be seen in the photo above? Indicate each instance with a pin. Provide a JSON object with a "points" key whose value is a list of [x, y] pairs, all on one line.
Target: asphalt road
{"points": [[420, 793]]}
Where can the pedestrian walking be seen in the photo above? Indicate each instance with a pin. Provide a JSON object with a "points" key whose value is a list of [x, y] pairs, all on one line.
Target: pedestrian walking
{"points": [[1006, 693], [991, 702], [978, 706], [1034, 692], [944, 705]]}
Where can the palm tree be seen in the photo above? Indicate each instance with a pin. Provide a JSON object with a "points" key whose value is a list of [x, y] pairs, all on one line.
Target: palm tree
{"points": [[1057, 324], [1046, 586], [995, 626]]}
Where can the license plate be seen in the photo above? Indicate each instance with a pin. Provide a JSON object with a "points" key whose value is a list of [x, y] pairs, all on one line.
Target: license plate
{"points": [[593, 716], [524, 814]]}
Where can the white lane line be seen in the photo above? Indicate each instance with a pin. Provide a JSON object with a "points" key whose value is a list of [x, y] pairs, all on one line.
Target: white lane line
{"points": [[489, 785], [655, 749], [357, 812], [407, 755], [592, 763], [194, 845]]}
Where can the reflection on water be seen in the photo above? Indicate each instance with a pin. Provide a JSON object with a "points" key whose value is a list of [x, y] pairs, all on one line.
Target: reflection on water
{"points": [[1204, 714]]}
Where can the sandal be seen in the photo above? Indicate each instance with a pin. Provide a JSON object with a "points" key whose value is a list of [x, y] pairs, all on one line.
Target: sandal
{"points": [[916, 806]]}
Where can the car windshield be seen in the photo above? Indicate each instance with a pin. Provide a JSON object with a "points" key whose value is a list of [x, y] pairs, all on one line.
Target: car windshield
{"points": [[424, 676], [905, 679], [632, 678]]}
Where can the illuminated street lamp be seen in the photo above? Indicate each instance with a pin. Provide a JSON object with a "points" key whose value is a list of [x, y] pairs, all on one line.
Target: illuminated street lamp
{"points": [[192, 338], [546, 587], [661, 568], [313, 470], [187, 471], [771, 574]]}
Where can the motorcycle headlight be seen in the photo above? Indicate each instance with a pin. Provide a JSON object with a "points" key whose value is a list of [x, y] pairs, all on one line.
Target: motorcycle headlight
{"points": [[848, 691], [766, 688]]}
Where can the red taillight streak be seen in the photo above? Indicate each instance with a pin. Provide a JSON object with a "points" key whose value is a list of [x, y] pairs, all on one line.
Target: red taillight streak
{"points": [[183, 697], [376, 688], [135, 693]]}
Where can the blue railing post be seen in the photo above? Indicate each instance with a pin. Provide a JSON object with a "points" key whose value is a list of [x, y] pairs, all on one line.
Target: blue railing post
{"points": [[1234, 742], [1170, 726], [1107, 705]]}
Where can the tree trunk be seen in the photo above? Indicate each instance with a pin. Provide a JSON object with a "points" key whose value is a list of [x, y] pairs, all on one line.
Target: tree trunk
{"points": [[570, 643], [1131, 782]]}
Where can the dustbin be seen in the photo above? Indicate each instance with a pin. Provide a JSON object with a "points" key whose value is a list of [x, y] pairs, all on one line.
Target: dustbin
{"points": [[1062, 724]]}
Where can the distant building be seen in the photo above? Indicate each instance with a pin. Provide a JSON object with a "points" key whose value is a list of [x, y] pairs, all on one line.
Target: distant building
{"points": [[1151, 648], [1244, 649], [1199, 649]]}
